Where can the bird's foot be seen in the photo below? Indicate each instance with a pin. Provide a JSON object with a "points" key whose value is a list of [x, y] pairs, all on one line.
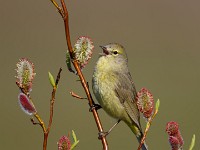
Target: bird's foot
{"points": [[95, 106], [102, 134]]}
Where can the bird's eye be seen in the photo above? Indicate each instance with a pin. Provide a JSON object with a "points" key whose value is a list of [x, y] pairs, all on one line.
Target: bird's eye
{"points": [[115, 52]]}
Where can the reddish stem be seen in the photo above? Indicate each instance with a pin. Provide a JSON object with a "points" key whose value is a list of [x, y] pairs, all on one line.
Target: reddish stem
{"points": [[53, 94], [147, 129], [64, 14]]}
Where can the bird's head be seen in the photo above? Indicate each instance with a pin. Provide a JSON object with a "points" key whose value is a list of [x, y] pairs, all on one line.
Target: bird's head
{"points": [[114, 51]]}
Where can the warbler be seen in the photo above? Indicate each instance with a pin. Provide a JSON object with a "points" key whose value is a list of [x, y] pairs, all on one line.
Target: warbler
{"points": [[114, 89]]}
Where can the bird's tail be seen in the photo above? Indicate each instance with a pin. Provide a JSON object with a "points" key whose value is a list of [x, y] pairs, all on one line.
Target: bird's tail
{"points": [[144, 145], [139, 136]]}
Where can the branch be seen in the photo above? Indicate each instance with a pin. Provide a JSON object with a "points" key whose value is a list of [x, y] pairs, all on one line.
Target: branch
{"points": [[46, 133], [76, 96], [149, 124], [64, 13]]}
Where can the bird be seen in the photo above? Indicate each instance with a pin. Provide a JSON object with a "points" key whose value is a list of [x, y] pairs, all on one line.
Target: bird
{"points": [[114, 88]]}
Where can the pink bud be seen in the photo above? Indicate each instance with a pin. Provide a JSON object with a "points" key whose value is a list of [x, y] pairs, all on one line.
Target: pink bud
{"points": [[25, 74], [64, 143], [145, 102], [26, 104], [83, 50], [175, 138], [172, 128]]}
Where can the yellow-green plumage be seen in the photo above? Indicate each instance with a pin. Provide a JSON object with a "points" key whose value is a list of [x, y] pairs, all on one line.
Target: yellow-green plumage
{"points": [[114, 89]]}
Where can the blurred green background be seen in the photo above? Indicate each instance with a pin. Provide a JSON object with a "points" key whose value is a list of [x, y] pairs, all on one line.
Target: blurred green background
{"points": [[162, 39]]}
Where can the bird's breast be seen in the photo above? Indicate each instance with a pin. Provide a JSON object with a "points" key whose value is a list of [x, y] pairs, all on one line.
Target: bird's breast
{"points": [[104, 84]]}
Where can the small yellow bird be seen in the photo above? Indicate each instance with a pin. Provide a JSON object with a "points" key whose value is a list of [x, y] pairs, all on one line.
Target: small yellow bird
{"points": [[113, 88]]}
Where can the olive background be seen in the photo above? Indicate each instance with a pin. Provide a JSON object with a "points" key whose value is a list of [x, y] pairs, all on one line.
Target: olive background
{"points": [[162, 42]]}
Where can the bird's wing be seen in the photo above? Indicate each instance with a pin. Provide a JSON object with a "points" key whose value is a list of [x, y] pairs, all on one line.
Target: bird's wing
{"points": [[126, 92]]}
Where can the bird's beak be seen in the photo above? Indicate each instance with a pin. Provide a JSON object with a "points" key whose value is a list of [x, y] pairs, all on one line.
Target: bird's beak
{"points": [[105, 51]]}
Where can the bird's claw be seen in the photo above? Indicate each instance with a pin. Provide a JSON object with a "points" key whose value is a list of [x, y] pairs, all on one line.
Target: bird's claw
{"points": [[95, 106], [102, 134]]}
